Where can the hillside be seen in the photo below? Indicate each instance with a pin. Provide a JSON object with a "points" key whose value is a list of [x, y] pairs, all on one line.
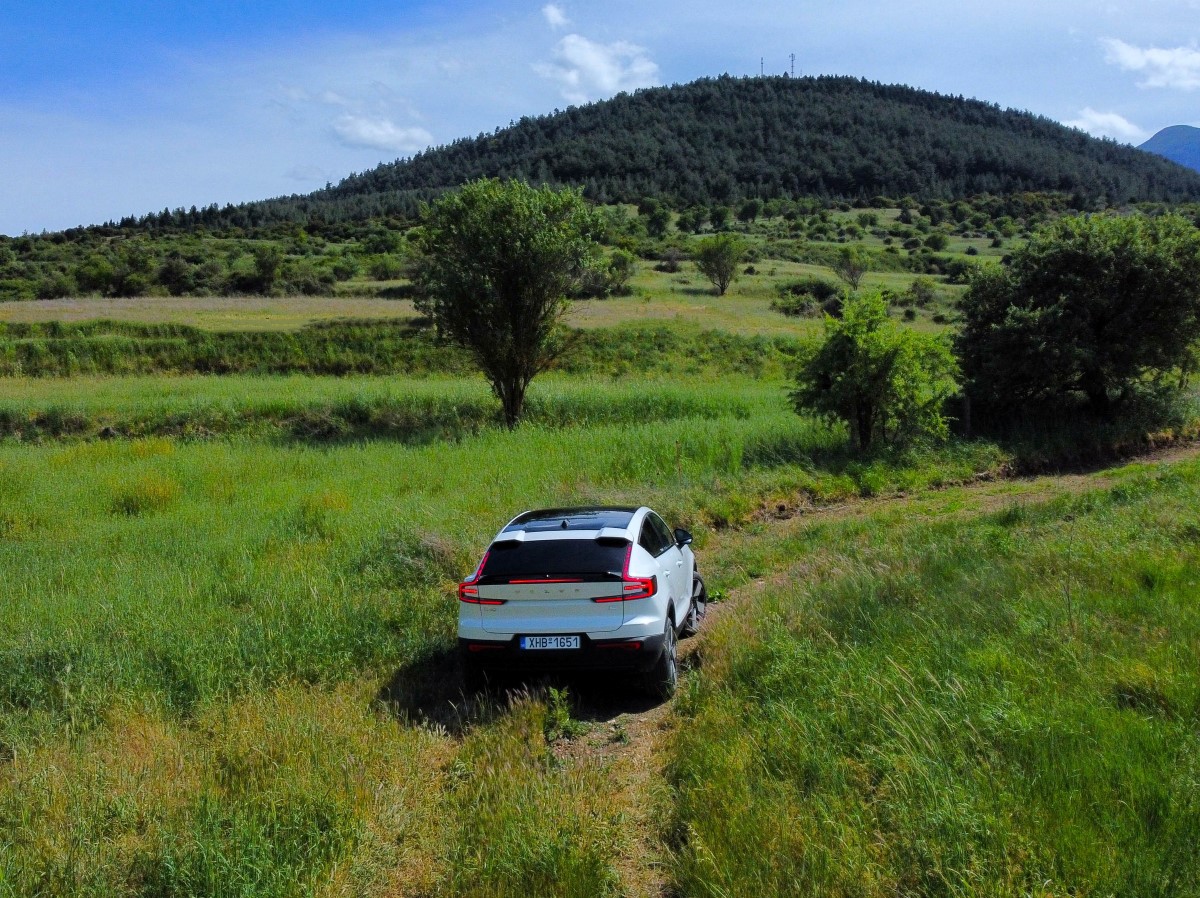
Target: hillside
{"points": [[1179, 143], [722, 139]]}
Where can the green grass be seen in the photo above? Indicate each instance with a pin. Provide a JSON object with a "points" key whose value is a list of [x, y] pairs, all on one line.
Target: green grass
{"points": [[324, 409], [211, 313], [226, 666], [238, 565], [1000, 706], [372, 347], [193, 633]]}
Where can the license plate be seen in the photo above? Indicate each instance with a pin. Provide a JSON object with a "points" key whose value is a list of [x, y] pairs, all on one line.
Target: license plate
{"points": [[549, 642]]}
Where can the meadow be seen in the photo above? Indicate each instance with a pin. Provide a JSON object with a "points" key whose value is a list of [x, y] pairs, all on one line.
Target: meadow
{"points": [[227, 619]]}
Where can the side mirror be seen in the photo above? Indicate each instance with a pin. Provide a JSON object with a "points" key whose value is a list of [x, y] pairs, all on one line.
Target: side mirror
{"points": [[682, 537]]}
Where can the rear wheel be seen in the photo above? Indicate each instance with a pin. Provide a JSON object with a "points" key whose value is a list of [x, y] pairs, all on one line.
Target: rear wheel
{"points": [[691, 624], [663, 678]]}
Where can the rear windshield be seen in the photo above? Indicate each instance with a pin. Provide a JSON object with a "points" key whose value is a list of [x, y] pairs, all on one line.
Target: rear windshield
{"points": [[556, 556], [572, 519]]}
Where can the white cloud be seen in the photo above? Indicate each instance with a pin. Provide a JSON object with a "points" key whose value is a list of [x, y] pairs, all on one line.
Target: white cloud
{"points": [[589, 71], [333, 98], [1108, 124], [555, 16], [380, 134], [1178, 67]]}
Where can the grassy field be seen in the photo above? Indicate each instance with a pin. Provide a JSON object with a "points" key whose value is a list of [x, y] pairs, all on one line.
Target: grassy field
{"points": [[229, 610], [303, 409], [217, 313], [226, 637], [995, 703]]}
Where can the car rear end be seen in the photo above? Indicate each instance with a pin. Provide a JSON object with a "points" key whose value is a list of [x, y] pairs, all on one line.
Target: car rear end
{"points": [[569, 594]]}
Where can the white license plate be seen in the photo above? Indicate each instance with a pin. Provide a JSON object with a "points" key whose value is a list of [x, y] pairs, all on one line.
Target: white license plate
{"points": [[549, 642]]}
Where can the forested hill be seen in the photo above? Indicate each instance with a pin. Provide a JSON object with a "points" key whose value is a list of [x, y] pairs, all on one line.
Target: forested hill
{"points": [[721, 139]]}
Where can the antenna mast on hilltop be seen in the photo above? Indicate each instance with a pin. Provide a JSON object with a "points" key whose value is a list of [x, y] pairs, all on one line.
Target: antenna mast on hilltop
{"points": [[793, 65], [762, 66]]}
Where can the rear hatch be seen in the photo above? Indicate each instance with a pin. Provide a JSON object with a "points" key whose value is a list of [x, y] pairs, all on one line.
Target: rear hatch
{"points": [[549, 584]]}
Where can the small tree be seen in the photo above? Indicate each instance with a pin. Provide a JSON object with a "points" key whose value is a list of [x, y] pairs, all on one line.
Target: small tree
{"points": [[1090, 305], [621, 267], [888, 383], [850, 266], [692, 220], [749, 211], [499, 259], [658, 218], [718, 258]]}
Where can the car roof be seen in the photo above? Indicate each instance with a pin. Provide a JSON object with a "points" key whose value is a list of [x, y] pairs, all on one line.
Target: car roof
{"points": [[586, 518]]}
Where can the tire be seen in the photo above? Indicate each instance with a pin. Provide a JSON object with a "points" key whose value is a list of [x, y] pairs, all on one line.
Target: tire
{"points": [[696, 612], [663, 678]]}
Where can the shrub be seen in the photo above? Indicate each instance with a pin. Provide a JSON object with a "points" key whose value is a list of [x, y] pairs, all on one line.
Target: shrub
{"points": [[887, 383], [806, 296]]}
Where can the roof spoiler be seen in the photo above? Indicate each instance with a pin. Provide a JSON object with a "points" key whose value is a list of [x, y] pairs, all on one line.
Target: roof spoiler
{"points": [[612, 535]]}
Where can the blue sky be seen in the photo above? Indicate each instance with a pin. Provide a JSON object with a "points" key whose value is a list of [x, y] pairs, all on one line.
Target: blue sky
{"points": [[109, 109]]}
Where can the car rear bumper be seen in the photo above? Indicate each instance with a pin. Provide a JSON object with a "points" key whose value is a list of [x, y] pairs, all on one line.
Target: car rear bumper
{"points": [[628, 653]]}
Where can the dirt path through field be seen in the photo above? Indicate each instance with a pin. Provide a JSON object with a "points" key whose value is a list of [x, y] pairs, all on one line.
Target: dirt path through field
{"points": [[631, 744]]}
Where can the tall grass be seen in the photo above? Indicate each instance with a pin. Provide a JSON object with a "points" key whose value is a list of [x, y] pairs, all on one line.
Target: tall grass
{"points": [[268, 795], [193, 570], [324, 409], [196, 635], [182, 622], [523, 824], [996, 707], [385, 346]]}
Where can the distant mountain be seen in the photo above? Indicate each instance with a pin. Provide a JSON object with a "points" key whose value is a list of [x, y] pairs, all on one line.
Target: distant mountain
{"points": [[1179, 143], [719, 140]]}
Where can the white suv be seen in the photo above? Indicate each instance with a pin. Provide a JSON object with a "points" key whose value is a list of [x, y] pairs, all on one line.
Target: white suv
{"points": [[579, 589]]}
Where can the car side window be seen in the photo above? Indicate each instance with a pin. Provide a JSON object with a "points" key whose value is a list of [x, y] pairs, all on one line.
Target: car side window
{"points": [[649, 539], [665, 539]]}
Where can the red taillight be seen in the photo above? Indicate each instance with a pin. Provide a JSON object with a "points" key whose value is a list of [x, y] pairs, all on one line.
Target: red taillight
{"points": [[559, 580], [468, 592], [632, 587]]}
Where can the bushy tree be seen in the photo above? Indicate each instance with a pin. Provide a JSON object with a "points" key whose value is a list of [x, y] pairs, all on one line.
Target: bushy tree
{"points": [[850, 266], [749, 211], [621, 267], [717, 258], [268, 259], [1090, 305], [658, 217], [692, 220], [499, 259], [889, 384]]}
